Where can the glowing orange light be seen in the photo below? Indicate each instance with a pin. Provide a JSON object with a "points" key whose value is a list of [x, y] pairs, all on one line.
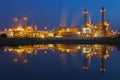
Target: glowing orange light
{"points": [[102, 10], [85, 67], [85, 12], [15, 60], [25, 18], [25, 60], [15, 19]]}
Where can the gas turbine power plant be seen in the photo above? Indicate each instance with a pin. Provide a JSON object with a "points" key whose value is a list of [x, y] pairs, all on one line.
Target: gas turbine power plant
{"points": [[86, 30]]}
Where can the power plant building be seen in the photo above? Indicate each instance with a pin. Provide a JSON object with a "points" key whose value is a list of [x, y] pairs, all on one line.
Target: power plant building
{"points": [[86, 30]]}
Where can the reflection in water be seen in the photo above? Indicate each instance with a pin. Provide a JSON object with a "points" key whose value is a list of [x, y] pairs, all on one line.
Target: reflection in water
{"points": [[87, 51]]}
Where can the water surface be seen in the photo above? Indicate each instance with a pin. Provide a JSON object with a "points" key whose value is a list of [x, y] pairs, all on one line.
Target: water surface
{"points": [[60, 62]]}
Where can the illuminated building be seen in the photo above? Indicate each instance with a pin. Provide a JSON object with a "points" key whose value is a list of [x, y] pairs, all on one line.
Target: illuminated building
{"points": [[88, 29], [66, 32], [20, 31]]}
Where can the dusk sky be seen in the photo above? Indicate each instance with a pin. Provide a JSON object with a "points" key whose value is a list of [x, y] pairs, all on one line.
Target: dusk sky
{"points": [[53, 13]]}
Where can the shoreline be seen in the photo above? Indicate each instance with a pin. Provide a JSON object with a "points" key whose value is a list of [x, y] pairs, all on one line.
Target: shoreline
{"points": [[32, 41]]}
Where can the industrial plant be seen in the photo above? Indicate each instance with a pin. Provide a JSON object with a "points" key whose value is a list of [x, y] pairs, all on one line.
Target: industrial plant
{"points": [[88, 29]]}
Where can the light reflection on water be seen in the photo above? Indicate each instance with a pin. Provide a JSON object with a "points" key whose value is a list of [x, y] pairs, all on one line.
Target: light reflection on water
{"points": [[65, 61]]}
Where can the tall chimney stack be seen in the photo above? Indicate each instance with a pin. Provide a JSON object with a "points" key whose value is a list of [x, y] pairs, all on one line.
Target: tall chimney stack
{"points": [[102, 21], [85, 12], [16, 22], [25, 22]]}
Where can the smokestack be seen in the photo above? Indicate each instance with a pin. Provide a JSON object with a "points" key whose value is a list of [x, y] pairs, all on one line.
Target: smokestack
{"points": [[85, 12], [102, 20], [16, 22], [25, 22]]}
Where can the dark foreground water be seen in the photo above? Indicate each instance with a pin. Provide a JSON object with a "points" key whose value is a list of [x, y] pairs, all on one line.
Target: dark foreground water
{"points": [[60, 62]]}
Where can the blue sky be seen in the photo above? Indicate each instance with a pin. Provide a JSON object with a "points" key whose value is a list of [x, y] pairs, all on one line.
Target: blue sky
{"points": [[52, 13]]}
